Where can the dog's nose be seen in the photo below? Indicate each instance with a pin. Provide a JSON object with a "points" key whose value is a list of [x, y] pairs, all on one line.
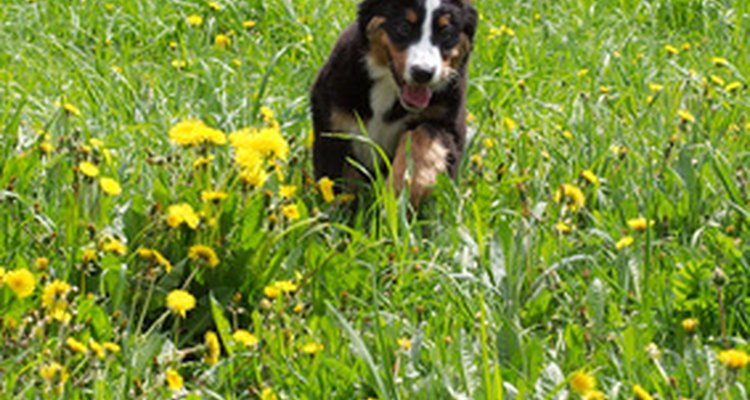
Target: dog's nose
{"points": [[421, 74]]}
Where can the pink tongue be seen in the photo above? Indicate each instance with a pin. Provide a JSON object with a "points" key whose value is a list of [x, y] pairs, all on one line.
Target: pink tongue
{"points": [[416, 96]]}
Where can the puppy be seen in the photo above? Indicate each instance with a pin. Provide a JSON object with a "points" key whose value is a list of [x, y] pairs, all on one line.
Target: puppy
{"points": [[400, 72]]}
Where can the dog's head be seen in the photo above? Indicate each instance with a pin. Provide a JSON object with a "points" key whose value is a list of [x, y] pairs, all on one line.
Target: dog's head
{"points": [[423, 43]]}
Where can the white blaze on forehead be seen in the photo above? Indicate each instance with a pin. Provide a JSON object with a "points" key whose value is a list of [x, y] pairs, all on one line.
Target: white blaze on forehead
{"points": [[424, 54]]}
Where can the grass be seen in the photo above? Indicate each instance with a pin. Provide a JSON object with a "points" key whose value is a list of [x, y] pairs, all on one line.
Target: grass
{"points": [[496, 290]]}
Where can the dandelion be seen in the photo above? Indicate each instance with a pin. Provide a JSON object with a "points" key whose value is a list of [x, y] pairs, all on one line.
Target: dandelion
{"points": [[110, 186], [567, 135], [156, 257], [626, 241], [509, 123], [179, 64], [21, 282], [53, 369], [312, 348], [717, 80], [590, 177], [404, 343], [268, 142], [639, 224], [249, 24], [671, 50], [214, 6], [96, 348], [46, 147], [326, 189], [222, 40], [286, 286], [582, 383], [571, 195], [205, 254], [174, 380], [245, 338], [271, 292], [76, 346], [111, 347], [268, 394], [180, 302], [213, 349], [604, 90], [582, 73], [563, 228], [88, 169], [213, 196], [89, 256], [733, 87], [299, 308], [490, 143], [641, 393], [689, 324], [593, 395], [115, 246], [194, 20], [192, 132], [287, 191], [182, 213], [41, 263], [655, 87], [734, 359], [685, 116], [203, 161], [54, 300], [71, 109], [719, 61], [291, 212]]}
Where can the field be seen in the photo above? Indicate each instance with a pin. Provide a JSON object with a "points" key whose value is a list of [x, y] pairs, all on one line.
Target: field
{"points": [[596, 244]]}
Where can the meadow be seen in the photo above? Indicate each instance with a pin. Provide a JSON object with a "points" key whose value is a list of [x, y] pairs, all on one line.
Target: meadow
{"points": [[161, 234]]}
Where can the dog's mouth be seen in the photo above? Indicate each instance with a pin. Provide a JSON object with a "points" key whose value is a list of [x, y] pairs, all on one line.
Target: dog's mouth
{"points": [[413, 97]]}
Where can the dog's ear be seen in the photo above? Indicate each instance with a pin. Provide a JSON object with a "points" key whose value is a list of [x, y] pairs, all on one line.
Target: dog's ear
{"points": [[470, 20], [366, 13]]}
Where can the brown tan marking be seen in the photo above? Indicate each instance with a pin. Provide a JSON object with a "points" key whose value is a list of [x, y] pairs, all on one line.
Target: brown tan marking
{"points": [[382, 49], [411, 16], [444, 20], [428, 160], [457, 55], [342, 121]]}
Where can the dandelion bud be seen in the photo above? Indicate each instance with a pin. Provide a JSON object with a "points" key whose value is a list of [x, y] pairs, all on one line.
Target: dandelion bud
{"points": [[719, 277]]}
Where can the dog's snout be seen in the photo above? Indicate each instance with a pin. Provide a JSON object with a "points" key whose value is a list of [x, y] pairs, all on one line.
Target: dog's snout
{"points": [[421, 74]]}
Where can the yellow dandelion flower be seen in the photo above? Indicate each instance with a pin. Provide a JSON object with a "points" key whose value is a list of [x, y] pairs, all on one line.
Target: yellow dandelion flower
{"points": [[299, 308], [71, 109], [268, 142], [291, 212], [404, 343], [671, 49], [110, 186], [268, 394], [182, 213], [179, 64], [271, 292], [285, 286], [581, 382], [76, 346], [88, 169], [192, 132], [604, 90], [626, 241], [582, 73], [174, 380], [21, 282], [312, 348], [719, 61], [641, 393], [255, 177], [245, 338], [590, 177], [214, 6], [46, 147], [685, 116], [734, 359], [490, 143], [222, 40], [156, 257], [213, 349], [49, 371], [111, 347], [567, 135], [210, 196], [54, 298], [267, 114], [204, 254], [194, 20], [509, 123], [689, 324], [686, 46], [563, 228], [593, 395], [326, 189], [180, 302], [115, 246], [203, 161], [89, 256], [655, 87], [96, 348], [41, 263], [733, 87], [639, 224], [249, 24], [287, 191], [571, 196]]}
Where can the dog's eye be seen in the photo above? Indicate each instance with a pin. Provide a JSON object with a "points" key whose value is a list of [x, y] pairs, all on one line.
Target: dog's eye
{"points": [[404, 28]]}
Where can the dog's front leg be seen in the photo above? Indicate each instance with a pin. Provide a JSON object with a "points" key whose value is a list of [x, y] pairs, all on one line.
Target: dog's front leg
{"points": [[422, 154]]}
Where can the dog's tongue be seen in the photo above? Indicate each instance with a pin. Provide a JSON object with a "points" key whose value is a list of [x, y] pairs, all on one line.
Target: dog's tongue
{"points": [[416, 96]]}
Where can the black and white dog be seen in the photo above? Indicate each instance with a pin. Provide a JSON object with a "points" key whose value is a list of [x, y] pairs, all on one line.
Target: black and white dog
{"points": [[401, 71]]}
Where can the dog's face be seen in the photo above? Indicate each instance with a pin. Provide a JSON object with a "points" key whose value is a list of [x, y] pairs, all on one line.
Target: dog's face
{"points": [[423, 43]]}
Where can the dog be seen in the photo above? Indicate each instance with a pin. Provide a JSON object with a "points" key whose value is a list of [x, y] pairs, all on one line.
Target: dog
{"points": [[399, 72]]}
